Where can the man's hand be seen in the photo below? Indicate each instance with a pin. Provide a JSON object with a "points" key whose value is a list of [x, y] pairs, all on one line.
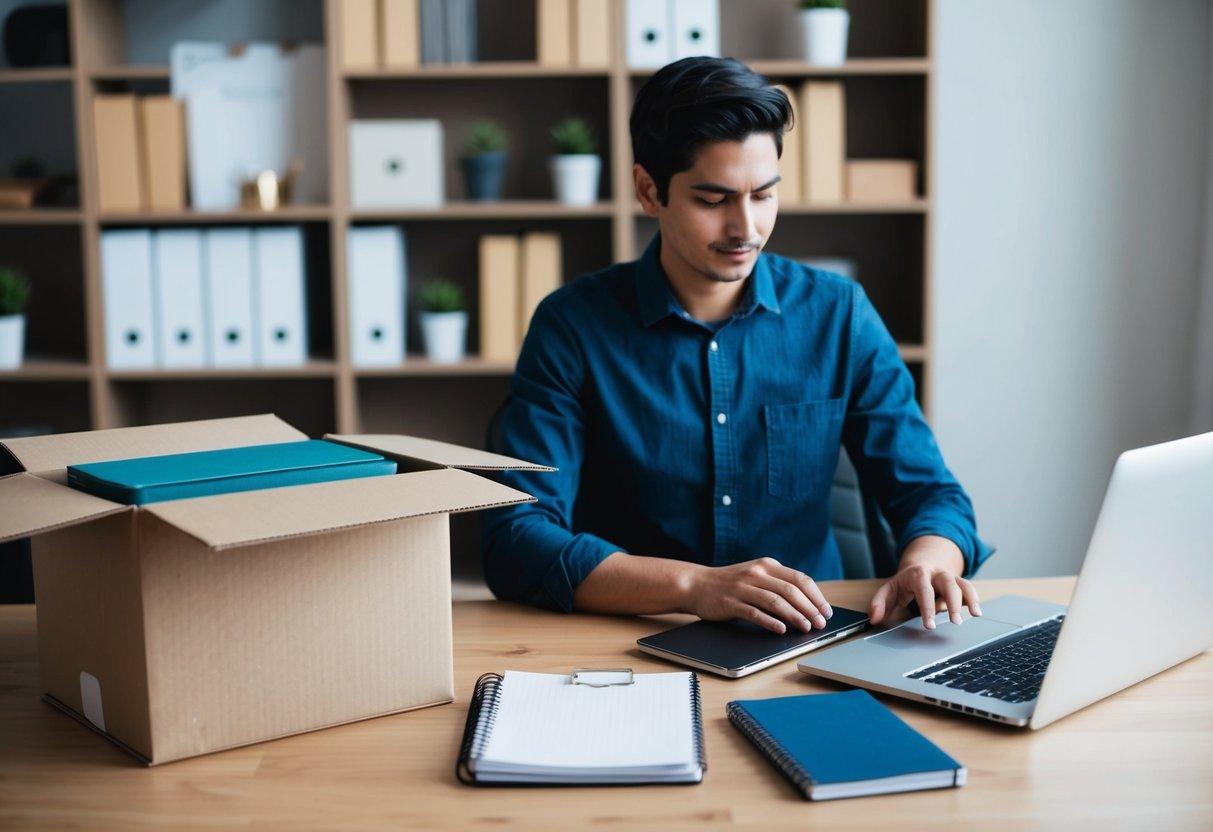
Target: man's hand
{"points": [[762, 591], [929, 573]]}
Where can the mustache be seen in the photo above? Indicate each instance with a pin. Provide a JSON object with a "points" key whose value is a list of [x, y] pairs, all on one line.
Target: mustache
{"points": [[738, 246]]}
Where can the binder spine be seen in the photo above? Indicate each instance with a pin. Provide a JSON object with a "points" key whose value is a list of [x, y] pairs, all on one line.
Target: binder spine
{"points": [[697, 719], [482, 713], [770, 748]]}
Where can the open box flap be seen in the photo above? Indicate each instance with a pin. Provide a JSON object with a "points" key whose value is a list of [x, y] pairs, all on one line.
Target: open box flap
{"points": [[31, 505], [51, 454], [431, 453], [228, 520]]}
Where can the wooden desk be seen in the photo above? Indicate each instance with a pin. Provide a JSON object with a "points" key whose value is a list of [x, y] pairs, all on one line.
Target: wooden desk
{"points": [[1143, 759]]}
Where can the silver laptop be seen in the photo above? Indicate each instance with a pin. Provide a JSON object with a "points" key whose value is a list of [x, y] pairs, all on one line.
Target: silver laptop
{"points": [[1143, 603]]}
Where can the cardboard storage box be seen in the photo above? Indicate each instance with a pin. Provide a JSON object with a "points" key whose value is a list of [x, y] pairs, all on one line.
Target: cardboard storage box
{"points": [[190, 626], [881, 180]]}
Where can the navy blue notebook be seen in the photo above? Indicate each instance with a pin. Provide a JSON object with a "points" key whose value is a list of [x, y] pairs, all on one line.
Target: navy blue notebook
{"points": [[843, 745], [152, 479]]}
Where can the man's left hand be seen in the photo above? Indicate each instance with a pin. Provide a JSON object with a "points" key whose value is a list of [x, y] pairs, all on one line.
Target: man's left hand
{"points": [[929, 573]]}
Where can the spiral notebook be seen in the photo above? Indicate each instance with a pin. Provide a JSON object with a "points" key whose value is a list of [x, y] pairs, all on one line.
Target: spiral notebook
{"points": [[547, 728], [832, 745]]}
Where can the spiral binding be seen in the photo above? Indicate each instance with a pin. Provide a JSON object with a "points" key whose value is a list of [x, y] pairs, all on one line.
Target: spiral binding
{"points": [[482, 714], [770, 747], [697, 719]]}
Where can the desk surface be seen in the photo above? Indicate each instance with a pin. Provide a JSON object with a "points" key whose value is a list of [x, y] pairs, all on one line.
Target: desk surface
{"points": [[1141, 759]]}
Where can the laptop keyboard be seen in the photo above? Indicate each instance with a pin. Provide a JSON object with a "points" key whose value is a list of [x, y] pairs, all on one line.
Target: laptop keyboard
{"points": [[1009, 669]]}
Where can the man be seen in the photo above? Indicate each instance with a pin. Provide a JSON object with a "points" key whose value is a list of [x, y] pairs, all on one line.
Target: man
{"points": [[694, 402]]}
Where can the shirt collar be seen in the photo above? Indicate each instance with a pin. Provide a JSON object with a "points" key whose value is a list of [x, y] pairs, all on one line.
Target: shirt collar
{"points": [[657, 301]]}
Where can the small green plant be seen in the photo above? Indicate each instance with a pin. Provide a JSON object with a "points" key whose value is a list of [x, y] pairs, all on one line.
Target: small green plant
{"points": [[440, 295], [573, 135], [485, 137], [823, 4], [14, 291]]}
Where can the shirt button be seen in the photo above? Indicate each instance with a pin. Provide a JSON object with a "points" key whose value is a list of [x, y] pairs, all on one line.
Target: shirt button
{"points": [[721, 418], [713, 346], [726, 500]]}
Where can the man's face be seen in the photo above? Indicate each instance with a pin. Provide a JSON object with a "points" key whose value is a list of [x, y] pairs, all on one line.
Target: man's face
{"points": [[722, 211]]}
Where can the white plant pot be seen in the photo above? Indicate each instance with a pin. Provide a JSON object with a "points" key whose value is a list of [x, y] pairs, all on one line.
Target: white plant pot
{"points": [[445, 336], [12, 341], [825, 35], [575, 178]]}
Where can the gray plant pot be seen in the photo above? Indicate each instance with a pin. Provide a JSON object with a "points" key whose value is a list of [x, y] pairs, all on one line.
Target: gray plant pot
{"points": [[483, 175]]}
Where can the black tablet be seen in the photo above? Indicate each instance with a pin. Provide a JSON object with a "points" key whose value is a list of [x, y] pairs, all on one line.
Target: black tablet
{"points": [[738, 648]]}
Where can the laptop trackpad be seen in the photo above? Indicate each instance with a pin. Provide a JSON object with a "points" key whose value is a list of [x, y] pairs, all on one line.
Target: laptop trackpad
{"points": [[946, 635]]}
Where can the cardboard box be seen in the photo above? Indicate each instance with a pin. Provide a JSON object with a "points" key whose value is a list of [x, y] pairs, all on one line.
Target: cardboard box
{"points": [[191, 626], [162, 138], [401, 33], [539, 274], [881, 180], [115, 129], [554, 32], [359, 34], [823, 106], [499, 297]]}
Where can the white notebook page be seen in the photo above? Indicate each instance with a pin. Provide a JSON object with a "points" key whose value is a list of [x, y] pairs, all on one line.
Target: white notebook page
{"points": [[543, 720]]}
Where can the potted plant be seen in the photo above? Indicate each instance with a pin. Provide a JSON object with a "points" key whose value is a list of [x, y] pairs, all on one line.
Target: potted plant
{"points": [[825, 24], [576, 167], [444, 321], [483, 160], [14, 292]]}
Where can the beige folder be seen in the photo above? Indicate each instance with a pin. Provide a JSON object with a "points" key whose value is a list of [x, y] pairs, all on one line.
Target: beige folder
{"points": [[592, 33], [401, 35], [881, 180], [791, 165], [119, 183], [499, 297], [359, 33], [823, 104], [539, 274], [162, 125], [554, 33]]}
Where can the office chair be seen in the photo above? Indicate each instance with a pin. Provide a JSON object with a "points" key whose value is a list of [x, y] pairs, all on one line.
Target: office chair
{"points": [[864, 538]]}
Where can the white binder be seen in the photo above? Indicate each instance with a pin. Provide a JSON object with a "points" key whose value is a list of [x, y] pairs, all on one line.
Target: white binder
{"points": [[376, 256], [177, 278], [696, 28], [396, 163], [648, 33], [126, 287], [228, 254], [280, 297]]}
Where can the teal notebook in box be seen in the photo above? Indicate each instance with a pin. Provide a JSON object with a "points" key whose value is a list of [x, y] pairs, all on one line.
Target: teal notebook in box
{"points": [[843, 745], [154, 479]]}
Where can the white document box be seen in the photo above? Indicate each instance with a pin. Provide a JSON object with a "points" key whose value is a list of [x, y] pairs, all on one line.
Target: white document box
{"points": [[126, 287], [377, 294], [280, 296], [228, 254], [647, 29], [177, 278], [396, 163], [696, 28]]}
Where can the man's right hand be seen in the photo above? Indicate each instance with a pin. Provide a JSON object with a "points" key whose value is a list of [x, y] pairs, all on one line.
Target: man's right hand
{"points": [[761, 591]]}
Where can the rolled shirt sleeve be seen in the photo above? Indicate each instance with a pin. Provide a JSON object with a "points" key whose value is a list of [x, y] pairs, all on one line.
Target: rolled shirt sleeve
{"points": [[894, 450], [530, 551]]}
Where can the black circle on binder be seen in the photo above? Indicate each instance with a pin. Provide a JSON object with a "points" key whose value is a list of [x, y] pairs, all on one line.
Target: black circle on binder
{"points": [[394, 164], [650, 35], [132, 336], [183, 336], [695, 34], [280, 334], [232, 335], [377, 334]]}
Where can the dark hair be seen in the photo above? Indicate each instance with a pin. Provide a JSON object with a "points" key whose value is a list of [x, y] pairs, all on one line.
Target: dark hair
{"points": [[694, 101]]}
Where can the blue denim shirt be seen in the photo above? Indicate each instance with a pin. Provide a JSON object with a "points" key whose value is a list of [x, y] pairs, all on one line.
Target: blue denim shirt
{"points": [[716, 447]]}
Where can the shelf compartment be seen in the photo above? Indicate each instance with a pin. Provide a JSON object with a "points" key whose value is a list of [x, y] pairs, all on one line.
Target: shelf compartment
{"points": [[502, 209], [52, 406], [760, 30], [52, 258]]}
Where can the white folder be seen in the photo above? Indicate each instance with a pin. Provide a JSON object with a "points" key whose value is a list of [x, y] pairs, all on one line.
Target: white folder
{"points": [[696, 28], [648, 33], [228, 253], [126, 287], [280, 297], [177, 278], [376, 257]]}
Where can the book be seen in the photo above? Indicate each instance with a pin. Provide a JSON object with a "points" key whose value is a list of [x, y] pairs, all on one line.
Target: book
{"points": [[401, 35], [592, 25], [499, 297], [833, 745], [539, 274], [548, 728], [120, 186], [162, 141], [154, 479], [823, 106], [553, 32]]}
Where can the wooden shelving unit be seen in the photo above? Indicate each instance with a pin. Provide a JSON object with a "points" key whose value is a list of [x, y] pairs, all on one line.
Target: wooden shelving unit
{"points": [[890, 90]]}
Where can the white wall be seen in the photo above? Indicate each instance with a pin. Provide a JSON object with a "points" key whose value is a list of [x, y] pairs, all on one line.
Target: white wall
{"points": [[1071, 157]]}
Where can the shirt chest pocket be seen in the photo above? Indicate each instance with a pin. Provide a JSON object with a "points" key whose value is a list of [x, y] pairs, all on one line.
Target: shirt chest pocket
{"points": [[802, 447]]}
